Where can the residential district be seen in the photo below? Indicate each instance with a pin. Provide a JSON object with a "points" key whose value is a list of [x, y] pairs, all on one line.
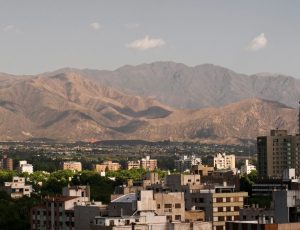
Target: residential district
{"points": [[195, 194]]}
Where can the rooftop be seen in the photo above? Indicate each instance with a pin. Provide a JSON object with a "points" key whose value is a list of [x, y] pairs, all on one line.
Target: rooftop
{"points": [[128, 198]]}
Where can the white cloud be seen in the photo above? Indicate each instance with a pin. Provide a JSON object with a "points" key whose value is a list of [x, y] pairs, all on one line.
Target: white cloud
{"points": [[146, 43], [95, 26], [11, 28], [258, 42]]}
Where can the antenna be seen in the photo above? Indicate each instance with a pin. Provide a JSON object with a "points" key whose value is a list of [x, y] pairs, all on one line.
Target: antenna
{"points": [[299, 119]]}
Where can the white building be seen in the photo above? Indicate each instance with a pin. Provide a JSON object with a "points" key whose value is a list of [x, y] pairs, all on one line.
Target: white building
{"points": [[17, 188], [223, 161], [186, 162], [25, 167], [247, 168]]}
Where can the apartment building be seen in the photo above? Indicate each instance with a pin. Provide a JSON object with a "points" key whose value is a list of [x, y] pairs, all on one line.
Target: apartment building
{"points": [[223, 161], [17, 188], [171, 204], [277, 152], [186, 162], [148, 164], [133, 164], [220, 204], [72, 165], [7, 163], [25, 167], [247, 168], [107, 166], [144, 213]]}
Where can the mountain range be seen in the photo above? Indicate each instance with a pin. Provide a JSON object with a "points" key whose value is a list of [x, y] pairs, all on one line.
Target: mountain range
{"points": [[155, 102]]}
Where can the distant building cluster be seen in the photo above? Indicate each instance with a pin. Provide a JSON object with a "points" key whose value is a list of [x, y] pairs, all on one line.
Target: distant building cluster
{"points": [[186, 162], [145, 163]]}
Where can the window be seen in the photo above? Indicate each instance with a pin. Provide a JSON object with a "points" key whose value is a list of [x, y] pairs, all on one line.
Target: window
{"points": [[169, 218], [111, 223], [219, 200], [127, 222], [221, 218], [236, 208], [178, 205], [158, 206], [227, 199], [168, 205], [177, 217]]}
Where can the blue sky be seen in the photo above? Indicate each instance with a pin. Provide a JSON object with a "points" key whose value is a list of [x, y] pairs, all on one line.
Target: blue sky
{"points": [[246, 36]]}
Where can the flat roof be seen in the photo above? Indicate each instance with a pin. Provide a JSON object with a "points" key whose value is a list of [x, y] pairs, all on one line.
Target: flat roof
{"points": [[128, 198]]}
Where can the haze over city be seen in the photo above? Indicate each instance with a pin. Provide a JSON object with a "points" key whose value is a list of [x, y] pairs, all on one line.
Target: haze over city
{"points": [[247, 37]]}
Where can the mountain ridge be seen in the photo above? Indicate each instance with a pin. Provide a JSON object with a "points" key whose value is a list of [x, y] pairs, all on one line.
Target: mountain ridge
{"points": [[74, 106]]}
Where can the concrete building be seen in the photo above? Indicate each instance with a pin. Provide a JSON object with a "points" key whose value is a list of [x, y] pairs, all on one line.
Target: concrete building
{"points": [[286, 206], [72, 165], [133, 164], [220, 204], [255, 213], [247, 168], [171, 204], [7, 163], [85, 213], [107, 166], [223, 161], [132, 209], [58, 212], [17, 188], [277, 152], [186, 162], [25, 167], [148, 164], [202, 170]]}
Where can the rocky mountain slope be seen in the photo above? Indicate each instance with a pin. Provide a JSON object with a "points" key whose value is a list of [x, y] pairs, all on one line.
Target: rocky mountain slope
{"points": [[69, 106], [197, 87]]}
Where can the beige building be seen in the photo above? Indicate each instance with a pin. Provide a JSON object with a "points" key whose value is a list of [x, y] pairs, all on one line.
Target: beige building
{"points": [[72, 165], [107, 166], [170, 204], [202, 170], [277, 152], [133, 164], [148, 164], [219, 204], [223, 161], [17, 188], [7, 163]]}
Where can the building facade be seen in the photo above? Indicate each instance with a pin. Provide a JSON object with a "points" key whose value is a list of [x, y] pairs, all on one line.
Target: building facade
{"points": [[72, 165], [148, 164], [17, 188], [107, 166], [25, 167], [277, 152], [223, 161]]}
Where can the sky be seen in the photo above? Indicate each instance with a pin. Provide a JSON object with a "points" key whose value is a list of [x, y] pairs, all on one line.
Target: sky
{"points": [[248, 37]]}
